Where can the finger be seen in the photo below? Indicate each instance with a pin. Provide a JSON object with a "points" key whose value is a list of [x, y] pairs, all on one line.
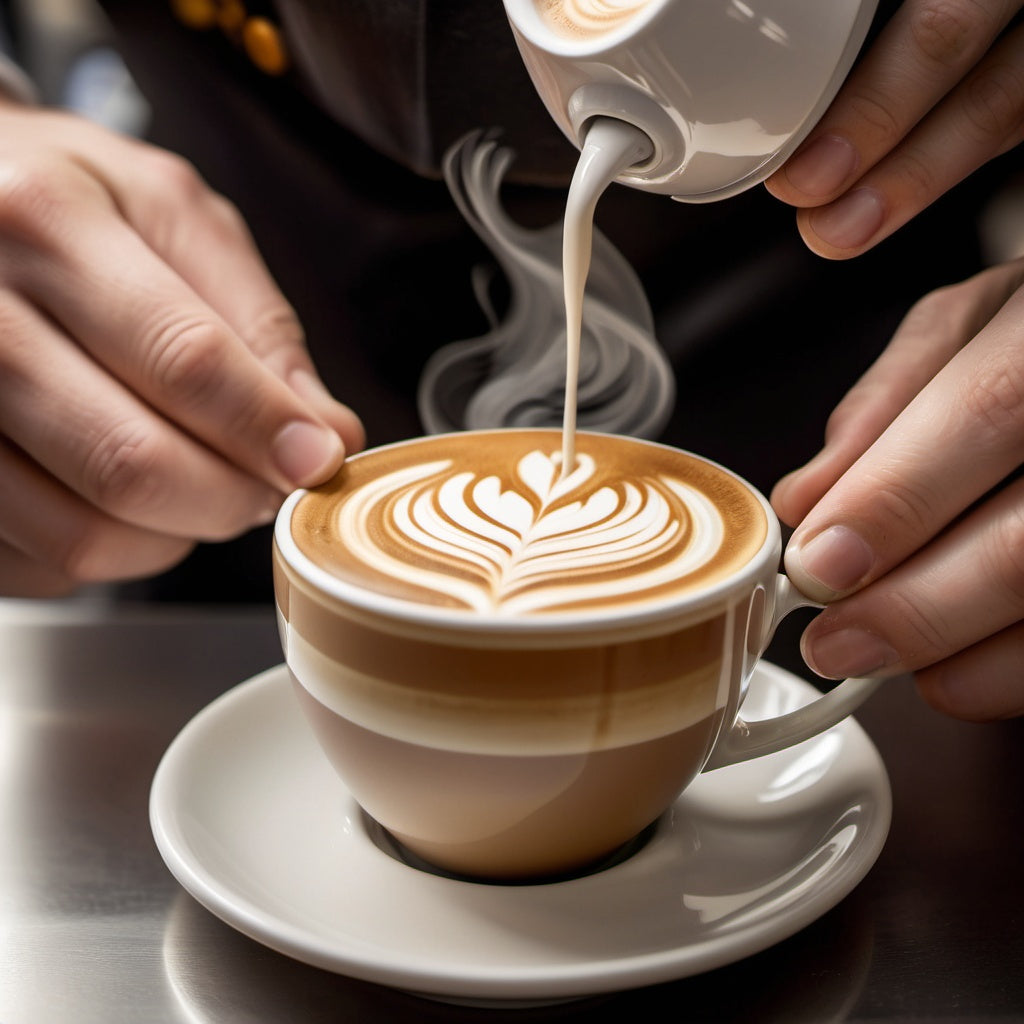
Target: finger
{"points": [[979, 120], [202, 236], [299, 374], [981, 684], [921, 54], [963, 588], [74, 420], [934, 330], [108, 290], [21, 576], [62, 540], [961, 436]]}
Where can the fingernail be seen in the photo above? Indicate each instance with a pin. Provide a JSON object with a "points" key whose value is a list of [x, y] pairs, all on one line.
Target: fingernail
{"points": [[829, 564], [847, 652], [823, 167], [305, 453], [851, 221]]}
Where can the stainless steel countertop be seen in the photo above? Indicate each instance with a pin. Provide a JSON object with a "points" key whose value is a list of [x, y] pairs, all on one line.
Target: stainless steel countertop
{"points": [[93, 928]]}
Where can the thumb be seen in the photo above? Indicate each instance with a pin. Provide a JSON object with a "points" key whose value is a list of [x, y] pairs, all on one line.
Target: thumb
{"points": [[305, 382]]}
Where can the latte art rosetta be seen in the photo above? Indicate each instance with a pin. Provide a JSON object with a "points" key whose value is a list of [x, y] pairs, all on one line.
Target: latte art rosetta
{"points": [[547, 544], [509, 536]]}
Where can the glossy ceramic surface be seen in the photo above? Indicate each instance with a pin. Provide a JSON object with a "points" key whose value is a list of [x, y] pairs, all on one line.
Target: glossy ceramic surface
{"points": [[254, 823], [725, 89]]}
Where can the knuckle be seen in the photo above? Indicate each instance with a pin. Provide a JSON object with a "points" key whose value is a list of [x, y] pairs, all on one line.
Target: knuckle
{"points": [[994, 104], [925, 319], [275, 329], [931, 310], [32, 200], [843, 414], [917, 175], [224, 212], [171, 173], [922, 628], [943, 32], [852, 411], [172, 189], [186, 362], [939, 314], [1005, 557], [121, 471], [872, 109], [993, 403], [901, 505]]}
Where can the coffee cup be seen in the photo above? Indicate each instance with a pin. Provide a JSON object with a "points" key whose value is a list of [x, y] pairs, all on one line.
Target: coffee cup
{"points": [[516, 670]]}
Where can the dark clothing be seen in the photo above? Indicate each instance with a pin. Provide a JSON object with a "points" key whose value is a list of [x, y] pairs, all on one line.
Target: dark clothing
{"points": [[335, 167]]}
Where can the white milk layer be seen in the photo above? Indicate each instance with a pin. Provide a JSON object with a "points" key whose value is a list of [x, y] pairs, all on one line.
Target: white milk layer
{"points": [[507, 724]]}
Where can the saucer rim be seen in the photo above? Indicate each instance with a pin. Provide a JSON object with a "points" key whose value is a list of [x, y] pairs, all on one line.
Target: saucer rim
{"points": [[495, 983]]}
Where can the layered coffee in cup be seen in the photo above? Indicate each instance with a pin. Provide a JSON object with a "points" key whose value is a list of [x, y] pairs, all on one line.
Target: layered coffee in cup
{"points": [[515, 670]]}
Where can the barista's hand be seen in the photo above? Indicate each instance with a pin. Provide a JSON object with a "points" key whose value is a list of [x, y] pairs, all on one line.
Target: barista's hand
{"points": [[911, 519], [154, 385], [939, 93]]}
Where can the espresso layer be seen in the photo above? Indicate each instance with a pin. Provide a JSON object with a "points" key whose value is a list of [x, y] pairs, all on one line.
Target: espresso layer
{"points": [[489, 523], [523, 702], [507, 697]]}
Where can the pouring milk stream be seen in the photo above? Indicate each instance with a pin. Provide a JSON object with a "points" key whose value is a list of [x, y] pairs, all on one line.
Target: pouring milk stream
{"points": [[611, 147], [697, 99]]}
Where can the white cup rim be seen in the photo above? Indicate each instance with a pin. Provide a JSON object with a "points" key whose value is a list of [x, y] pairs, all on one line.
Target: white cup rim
{"points": [[402, 610]]}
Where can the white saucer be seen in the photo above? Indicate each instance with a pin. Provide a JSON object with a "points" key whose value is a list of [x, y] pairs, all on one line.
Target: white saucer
{"points": [[253, 822]]}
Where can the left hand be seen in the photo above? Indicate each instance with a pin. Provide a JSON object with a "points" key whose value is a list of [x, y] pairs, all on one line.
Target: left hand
{"points": [[911, 518], [938, 94]]}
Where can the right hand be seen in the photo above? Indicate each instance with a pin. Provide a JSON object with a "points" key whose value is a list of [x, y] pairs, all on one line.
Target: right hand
{"points": [[155, 389], [937, 95], [910, 521]]}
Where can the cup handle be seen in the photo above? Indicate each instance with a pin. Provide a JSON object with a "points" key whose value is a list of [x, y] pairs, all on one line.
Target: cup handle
{"points": [[746, 740]]}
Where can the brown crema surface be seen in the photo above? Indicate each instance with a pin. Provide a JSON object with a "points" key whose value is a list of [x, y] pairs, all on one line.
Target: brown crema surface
{"points": [[481, 521]]}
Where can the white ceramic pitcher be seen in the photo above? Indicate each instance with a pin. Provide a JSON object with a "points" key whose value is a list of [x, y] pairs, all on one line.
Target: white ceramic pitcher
{"points": [[725, 89]]}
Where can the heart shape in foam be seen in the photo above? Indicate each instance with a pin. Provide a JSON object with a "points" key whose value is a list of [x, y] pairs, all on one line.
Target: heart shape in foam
{"points": [[547, 541]]}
